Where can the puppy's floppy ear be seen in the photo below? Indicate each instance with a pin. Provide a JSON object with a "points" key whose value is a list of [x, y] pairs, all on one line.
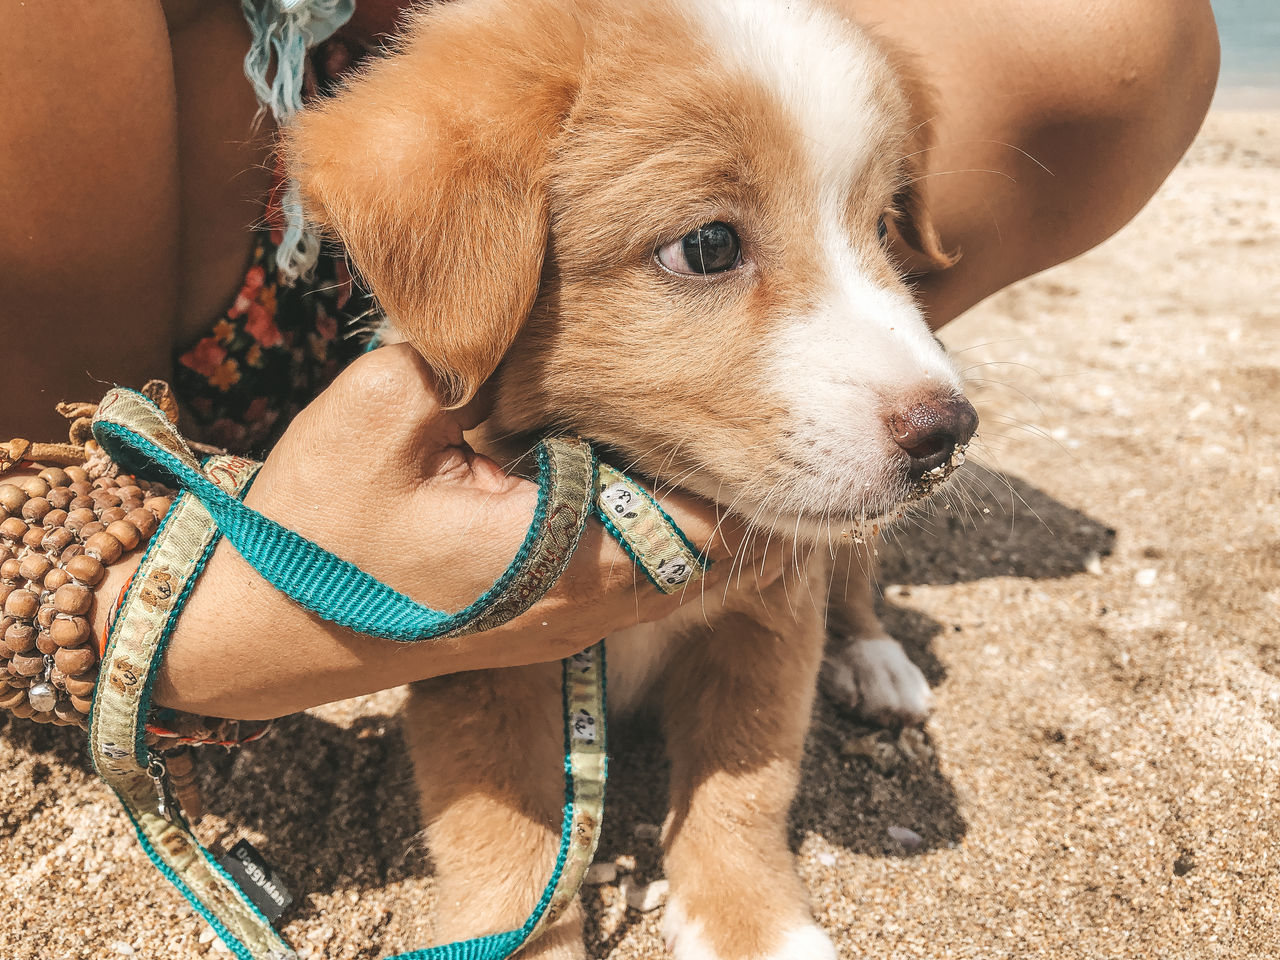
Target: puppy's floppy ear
{"points": [[914, 223], [430, 167]]}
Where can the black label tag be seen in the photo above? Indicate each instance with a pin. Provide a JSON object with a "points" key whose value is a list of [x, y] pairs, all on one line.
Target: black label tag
{"points": [[260, 883]]}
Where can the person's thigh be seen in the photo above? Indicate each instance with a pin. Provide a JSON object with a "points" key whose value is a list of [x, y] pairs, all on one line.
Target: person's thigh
{"points": [[88, 203], [1055, 123]]}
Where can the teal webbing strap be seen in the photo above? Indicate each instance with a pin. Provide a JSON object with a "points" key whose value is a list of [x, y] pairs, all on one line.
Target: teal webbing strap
{"points": [[122, 697], [585, 773], [137, 435]]}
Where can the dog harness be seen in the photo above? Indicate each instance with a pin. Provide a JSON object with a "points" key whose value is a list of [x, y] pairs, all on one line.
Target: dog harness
{"points": [[572, 485]]}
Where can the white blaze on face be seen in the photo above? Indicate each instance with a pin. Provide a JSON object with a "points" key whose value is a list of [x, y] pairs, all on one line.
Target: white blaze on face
{"points": [[864, 343]]}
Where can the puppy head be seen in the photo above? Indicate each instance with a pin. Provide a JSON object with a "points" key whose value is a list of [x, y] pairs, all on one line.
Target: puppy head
{"points": [[668, 223]]}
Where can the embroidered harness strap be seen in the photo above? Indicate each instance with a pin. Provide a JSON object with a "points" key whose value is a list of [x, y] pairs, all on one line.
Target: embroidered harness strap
{"points": [[571, 486]]}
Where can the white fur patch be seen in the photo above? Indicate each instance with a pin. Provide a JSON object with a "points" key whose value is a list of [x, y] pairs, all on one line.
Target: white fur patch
{"points": [[820, 71], [864, 343], [805, 943], [686, 940], [876, 678]]}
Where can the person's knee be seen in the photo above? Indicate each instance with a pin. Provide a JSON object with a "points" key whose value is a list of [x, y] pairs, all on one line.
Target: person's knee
{"points": [[1147, 66], [1125, 85]]}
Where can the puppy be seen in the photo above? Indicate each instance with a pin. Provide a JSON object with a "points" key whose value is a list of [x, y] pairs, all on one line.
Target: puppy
{"points": [[664, 226]]}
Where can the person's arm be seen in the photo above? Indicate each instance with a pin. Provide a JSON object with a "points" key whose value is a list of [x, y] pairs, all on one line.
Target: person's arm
{"points": [[376, 471]]}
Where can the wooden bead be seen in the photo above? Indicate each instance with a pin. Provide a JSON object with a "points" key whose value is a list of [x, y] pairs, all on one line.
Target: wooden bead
{"points": [[34, 486], [42, 716], [73, 660], [111, 515], [54, 518], [82, 704], [13, 529], [20, 638], [126, 533], [12, 497], [78, 518], [34, 567], [75, 550], [144, 520], [57, 540], [17, 682], [11, 697], [129, 491], [64, 711], [45, 644], [81, 686], [69, 632], [22, 604], [77, 474], [81, 503], [31, 539], [85, 569], [54, 476], [159, 506], [29, 664], [91, 529], [34, 510], [104, 546], [81, 488], [73, 599], [105, 482], [6, 553], [10, 570], [24, 710], [104, 499], [60, 497], [44, 619]]}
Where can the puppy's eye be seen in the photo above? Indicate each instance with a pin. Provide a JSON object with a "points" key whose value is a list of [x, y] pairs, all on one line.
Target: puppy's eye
{"points": [[711, 248], [882, 229]]}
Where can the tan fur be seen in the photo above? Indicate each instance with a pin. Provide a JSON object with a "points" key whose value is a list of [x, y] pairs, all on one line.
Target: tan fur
{"points": [[527, 158], [443, 206]]}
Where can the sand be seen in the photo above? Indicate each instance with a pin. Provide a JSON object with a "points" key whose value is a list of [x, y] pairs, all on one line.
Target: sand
{"points": [[1101, 777]]}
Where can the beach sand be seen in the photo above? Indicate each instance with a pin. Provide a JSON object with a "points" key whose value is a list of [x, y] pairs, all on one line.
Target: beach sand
{"points": [[1101, 777]]}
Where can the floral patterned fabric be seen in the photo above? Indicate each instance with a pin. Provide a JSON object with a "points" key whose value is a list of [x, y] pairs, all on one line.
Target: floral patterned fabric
{"points": [[271, 352]]}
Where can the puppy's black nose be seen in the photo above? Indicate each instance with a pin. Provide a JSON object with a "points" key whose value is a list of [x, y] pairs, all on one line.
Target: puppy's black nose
{"points": [[929, 431]]}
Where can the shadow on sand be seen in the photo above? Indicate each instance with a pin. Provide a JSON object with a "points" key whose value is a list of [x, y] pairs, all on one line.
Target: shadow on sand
{"points": [[337, 803]]}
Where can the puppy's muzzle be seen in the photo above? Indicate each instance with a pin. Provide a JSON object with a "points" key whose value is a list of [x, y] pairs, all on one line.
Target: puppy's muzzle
{"points": [[933, 434]]}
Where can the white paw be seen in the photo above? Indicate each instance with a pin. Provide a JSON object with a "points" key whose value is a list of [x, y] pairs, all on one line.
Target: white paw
{"points": [[805, 943], [686, 940], [876, 678]]}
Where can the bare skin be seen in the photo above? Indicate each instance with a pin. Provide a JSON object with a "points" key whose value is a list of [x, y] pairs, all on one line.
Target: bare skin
{"points": [[127, 185]]}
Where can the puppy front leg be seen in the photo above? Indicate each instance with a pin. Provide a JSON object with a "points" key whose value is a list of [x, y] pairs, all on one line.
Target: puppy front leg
{"points": [[867, 670], [736, 705], [488, 758]]}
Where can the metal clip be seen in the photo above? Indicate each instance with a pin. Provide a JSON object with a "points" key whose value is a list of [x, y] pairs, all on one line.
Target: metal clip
{"points": [[158, 771]]}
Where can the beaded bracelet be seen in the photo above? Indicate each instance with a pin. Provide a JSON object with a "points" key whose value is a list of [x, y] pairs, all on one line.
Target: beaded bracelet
{"points": [[59, 531]]}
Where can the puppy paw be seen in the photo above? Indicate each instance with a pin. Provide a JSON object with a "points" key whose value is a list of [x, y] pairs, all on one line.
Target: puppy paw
{"points": [[876, 679], [687, 940], [805, 943]]}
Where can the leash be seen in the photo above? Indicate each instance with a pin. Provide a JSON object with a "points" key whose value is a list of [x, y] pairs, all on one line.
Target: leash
{"points": [[572, 485]]}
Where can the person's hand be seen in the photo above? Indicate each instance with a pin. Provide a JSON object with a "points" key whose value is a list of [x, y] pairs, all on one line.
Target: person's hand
{"points": [[376, 472]]}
